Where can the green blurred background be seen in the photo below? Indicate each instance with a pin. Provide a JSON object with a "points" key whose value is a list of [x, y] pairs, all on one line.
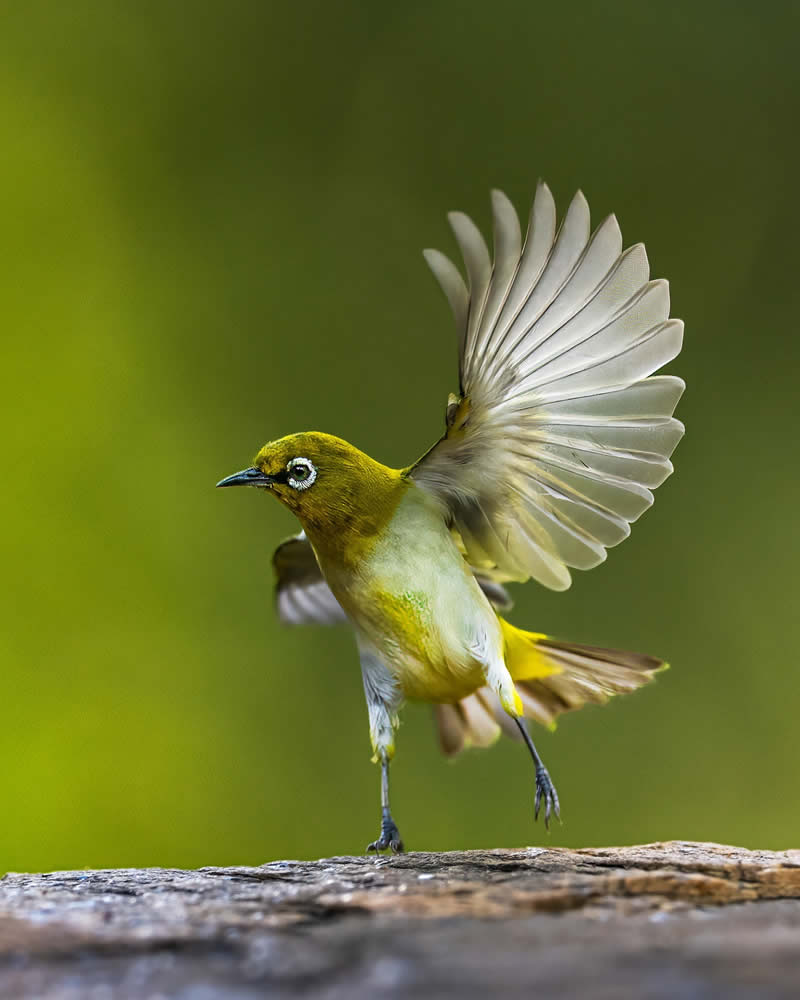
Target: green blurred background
{"points": [[212, 223]]}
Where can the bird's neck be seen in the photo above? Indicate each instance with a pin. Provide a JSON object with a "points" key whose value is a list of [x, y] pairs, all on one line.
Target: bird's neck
{"points": [[346, 530]]}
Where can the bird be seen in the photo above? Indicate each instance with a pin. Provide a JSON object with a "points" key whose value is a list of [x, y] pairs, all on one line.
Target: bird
{"points": [[552, 447]]}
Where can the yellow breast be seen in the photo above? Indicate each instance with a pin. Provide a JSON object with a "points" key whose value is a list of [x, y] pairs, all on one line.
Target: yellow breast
{"points": [[405, 628]]}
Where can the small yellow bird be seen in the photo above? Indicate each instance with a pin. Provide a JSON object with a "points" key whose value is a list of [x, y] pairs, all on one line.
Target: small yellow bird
{"points": [[552, 447]]}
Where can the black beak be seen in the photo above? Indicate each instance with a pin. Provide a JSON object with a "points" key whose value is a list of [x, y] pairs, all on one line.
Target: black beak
{"points": [[247, 477]]}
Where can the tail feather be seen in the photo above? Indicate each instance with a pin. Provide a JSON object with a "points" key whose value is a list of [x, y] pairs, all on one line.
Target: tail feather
{"points": [[473, 721], [583, 674], [551, 677]]}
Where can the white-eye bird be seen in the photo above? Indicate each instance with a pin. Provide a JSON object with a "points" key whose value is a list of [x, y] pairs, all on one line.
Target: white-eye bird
{"points": [[558, 435]]}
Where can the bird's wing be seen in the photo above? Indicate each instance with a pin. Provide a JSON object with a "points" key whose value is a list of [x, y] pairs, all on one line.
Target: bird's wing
{"points": [[302, 596], [559, 433]]}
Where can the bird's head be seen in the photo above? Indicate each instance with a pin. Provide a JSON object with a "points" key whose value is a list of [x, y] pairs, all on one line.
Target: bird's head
{"points": [[326, 482]]}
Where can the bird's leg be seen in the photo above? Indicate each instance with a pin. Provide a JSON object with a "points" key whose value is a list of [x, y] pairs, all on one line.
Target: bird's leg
{"points": [[390, 835], [383, 700], [545, 789], [500, 681]]}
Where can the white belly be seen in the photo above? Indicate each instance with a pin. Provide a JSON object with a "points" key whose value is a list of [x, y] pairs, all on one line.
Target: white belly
{"points": [[417, 602]]}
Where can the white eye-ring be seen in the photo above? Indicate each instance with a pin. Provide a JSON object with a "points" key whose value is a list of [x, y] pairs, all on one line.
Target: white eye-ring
{"points": [[302, 473]]}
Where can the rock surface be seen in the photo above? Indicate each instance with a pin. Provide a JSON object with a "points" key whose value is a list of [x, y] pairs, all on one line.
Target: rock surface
{"points": [[660, 920]]}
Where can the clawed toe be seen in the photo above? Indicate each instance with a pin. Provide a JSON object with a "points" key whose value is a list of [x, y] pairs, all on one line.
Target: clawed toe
{"points": [[395, 845], [546, 792], [388, 840]]}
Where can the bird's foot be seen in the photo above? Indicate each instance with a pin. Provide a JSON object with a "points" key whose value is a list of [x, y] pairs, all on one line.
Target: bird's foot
{"points": [[389, 838], [546, 792]]}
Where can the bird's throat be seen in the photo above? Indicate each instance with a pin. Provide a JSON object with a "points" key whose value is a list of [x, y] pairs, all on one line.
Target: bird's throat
{"points": [[346, 530]]}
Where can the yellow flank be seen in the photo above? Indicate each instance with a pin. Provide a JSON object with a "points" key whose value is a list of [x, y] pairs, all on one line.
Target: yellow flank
{"points": [[523, 658], [440, 685], [409, 615], [406, 623]]}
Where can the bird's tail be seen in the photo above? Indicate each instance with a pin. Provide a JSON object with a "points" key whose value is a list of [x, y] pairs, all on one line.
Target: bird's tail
{"points": [[554, 676], [551, 677]]}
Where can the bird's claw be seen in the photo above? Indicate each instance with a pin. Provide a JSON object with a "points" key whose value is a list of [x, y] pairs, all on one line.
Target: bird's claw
{"points": [[546, 792], [389, 838]]}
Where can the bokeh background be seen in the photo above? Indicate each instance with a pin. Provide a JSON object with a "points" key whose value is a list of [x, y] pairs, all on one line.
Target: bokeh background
{"points": [[212, 217]]}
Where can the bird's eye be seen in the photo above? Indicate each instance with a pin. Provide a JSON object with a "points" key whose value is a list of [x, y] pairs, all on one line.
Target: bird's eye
{"points": [[302, 473]]}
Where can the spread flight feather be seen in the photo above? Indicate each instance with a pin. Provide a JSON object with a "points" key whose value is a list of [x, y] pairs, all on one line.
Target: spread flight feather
{"points": [[560, 431]]}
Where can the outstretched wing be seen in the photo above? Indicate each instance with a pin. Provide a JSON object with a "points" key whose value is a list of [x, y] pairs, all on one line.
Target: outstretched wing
{"points": [[302, 597], [559, 433]]}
